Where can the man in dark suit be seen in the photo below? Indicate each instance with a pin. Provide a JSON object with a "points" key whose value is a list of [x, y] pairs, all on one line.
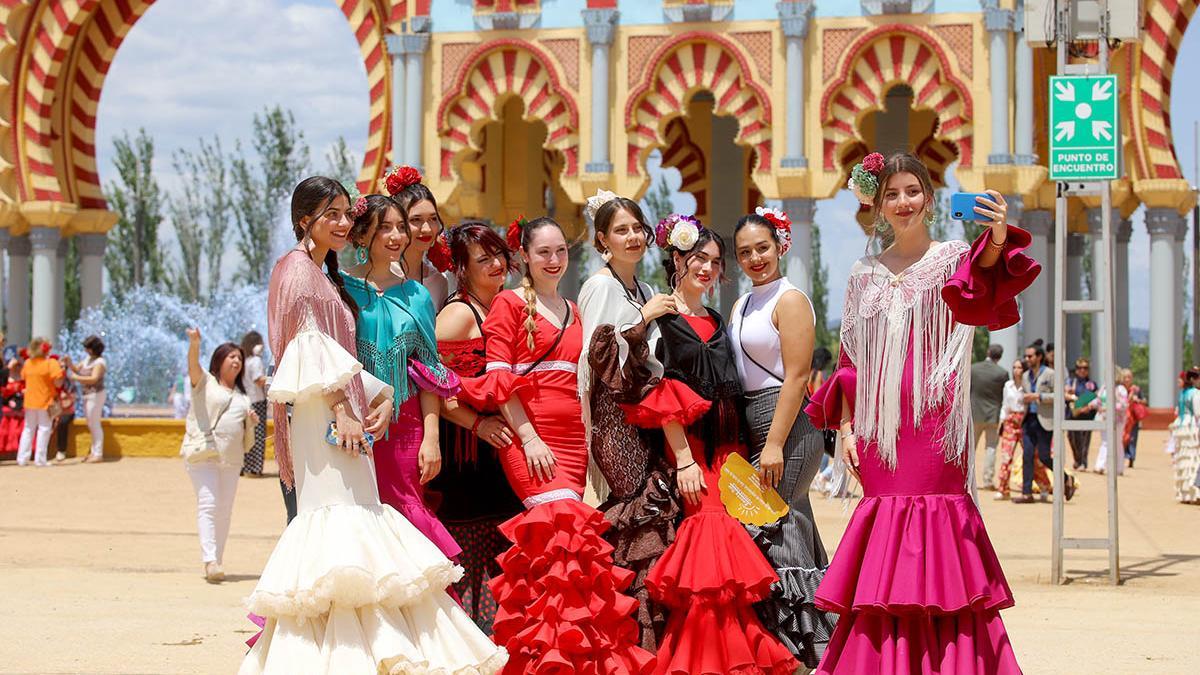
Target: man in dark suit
{"points": [[987, 395]]}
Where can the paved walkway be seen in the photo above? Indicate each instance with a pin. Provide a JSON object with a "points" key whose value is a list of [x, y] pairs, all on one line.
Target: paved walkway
{"points": [[100, 573]]}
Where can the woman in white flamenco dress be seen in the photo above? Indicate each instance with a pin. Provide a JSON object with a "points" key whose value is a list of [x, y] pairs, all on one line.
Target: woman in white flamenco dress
{"points": [[352, 586]]}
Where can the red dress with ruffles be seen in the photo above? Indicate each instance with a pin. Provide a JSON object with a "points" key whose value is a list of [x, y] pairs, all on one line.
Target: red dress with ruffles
{"points": [[915, 579], [713, 573], [561, 602]]}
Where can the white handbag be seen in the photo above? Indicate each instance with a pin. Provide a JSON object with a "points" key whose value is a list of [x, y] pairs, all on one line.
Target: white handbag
{"points": [[205, 450]]}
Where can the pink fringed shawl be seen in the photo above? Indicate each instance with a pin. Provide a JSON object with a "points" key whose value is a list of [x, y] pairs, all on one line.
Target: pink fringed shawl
{"points": [[301, 296], [924, 315]]}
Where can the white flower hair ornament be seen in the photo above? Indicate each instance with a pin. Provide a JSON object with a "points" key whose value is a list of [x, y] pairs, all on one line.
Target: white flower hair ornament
{"points": [[864, 178], [594, 203], [682, 232], [783, 226]]}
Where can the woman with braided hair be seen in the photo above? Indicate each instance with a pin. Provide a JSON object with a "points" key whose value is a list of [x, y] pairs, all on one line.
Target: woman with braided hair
{"points": [[560, 599], [352, 586]]}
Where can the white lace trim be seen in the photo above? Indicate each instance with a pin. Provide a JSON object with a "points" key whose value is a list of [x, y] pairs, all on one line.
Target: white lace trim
{"points": [[551, 496], [526, 368], [497, 365]]}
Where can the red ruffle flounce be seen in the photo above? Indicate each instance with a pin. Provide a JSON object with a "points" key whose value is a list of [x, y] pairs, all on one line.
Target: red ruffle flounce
{"points": [[981, 296], [669, 401], [561, 606], [710, 576], [973, 643], [488, 391], [915, 554]]}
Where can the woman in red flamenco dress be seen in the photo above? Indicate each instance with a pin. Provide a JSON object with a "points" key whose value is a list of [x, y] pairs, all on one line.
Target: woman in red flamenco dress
{"points": [[712, 574], [561, 605], [915, 580]]}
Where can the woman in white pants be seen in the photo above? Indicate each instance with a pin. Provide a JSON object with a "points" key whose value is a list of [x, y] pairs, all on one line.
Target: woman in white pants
{"points": [[43, 376], [219, 424], [90, 376]]}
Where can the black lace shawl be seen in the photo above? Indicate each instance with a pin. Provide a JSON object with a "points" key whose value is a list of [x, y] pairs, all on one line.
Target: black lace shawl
{"points": [[709, 369]]}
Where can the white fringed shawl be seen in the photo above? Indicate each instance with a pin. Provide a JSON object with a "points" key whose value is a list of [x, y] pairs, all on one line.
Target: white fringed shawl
{"points": [[883, 314]]}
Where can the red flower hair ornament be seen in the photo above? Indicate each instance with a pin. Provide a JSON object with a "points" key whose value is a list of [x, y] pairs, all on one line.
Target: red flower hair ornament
{"points": [[439, 254], [783, 226], [401, 177], [513, 235]]}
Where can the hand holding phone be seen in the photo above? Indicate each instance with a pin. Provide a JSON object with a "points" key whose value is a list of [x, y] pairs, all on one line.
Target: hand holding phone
{"points": [[331, 438]]}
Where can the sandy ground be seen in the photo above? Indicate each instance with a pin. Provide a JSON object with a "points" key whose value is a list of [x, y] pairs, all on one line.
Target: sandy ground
{"points": [[100, 573]]}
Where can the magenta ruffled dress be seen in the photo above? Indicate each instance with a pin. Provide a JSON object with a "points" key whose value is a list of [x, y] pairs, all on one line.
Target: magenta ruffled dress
{"points": [[915, 581]]}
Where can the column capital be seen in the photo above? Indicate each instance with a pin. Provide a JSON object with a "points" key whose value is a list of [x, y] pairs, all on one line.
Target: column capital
{"points": [[1165, 222], [1039, 222], [1095, 219], [48, 214], [1074, 244], [601, 25], [1124, 231], [801, 210], [996, 20], [794, 18], [414, 43], [91, 244], [19, 245], [44, 238]]}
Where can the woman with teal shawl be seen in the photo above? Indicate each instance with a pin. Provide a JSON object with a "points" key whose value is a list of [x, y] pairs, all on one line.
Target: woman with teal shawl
{"points": [[396, 343]]}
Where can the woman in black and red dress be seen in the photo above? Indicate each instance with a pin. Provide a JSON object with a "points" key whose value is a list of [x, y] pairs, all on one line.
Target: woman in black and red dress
{"points": [[561, 601], [713, 573], [475, 497]]}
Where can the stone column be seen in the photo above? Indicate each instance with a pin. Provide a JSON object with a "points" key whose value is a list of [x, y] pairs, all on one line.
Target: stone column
{"points": [[1071, 347], [999, 25], [1121, 293], [1100, 276], [794, 18], [60, 285], [1183, 287], [1037, 302], [801, 211], [45, 267], [1163, 225], [601, 26], [91, 268], [394, 48], [1023, 82], [19, 249], [414, 47]]}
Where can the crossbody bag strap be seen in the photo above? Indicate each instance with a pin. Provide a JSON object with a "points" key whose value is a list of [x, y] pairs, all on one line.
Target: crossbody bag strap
{"points": [[742, 345], [557, 339]]}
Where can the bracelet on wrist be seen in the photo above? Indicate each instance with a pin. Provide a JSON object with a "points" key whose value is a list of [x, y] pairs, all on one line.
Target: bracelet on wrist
{"points": [[992, 241], [685, 466], [475, 426]]}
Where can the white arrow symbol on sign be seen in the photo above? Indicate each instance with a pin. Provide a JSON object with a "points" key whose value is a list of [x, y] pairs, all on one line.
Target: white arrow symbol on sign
{"points": [[1066, 91], [1100, 129], [1102, 91], [1065, 130]]}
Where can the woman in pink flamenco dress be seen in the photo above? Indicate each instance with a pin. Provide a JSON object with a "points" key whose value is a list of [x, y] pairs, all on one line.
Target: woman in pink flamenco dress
{"points": [[915, 580]]}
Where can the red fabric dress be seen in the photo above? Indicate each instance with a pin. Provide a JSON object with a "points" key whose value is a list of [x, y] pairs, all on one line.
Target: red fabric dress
{"points": [[561, 601], [713, 573]]}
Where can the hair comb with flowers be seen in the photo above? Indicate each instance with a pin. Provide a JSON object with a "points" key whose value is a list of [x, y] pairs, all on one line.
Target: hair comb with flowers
{"points": [[864, 178], [358, 203], [679, 231], [594, 203], [783, 225], [399, 178]]}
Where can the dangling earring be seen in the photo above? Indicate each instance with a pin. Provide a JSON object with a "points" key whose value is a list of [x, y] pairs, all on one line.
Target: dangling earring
{"points": [[361, 255], [930, 216]]}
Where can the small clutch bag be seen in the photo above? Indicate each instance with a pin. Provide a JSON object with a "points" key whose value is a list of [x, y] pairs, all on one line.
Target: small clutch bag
{"points": [[331, 437]]}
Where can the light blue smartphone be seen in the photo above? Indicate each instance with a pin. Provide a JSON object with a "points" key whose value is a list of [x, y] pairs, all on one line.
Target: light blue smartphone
{"points": [[332, 439], [962, 206]]}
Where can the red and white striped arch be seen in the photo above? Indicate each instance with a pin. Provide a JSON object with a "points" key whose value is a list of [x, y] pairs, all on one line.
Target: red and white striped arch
{"points": [[493, 72], [1149, 109], [63, 55], [680, 67], [682, 154], [879, 60]]}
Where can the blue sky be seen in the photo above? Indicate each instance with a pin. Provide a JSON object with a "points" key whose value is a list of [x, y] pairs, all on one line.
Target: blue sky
{"points": [[191, 69]]}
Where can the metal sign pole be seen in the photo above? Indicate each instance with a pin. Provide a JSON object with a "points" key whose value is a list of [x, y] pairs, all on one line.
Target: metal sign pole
{"points": [[1108, 368], [1062, 34]]}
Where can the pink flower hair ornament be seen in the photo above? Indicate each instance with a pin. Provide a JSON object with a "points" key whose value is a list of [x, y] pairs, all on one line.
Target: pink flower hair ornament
{"points": [[783, 226], [359, 207], [864, 178]]}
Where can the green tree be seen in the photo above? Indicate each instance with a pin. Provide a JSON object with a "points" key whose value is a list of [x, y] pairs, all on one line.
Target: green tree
{"points": [[825, 337], [73, 301], [261, 187], [342, 165], [134, 258], [201, 214]]}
